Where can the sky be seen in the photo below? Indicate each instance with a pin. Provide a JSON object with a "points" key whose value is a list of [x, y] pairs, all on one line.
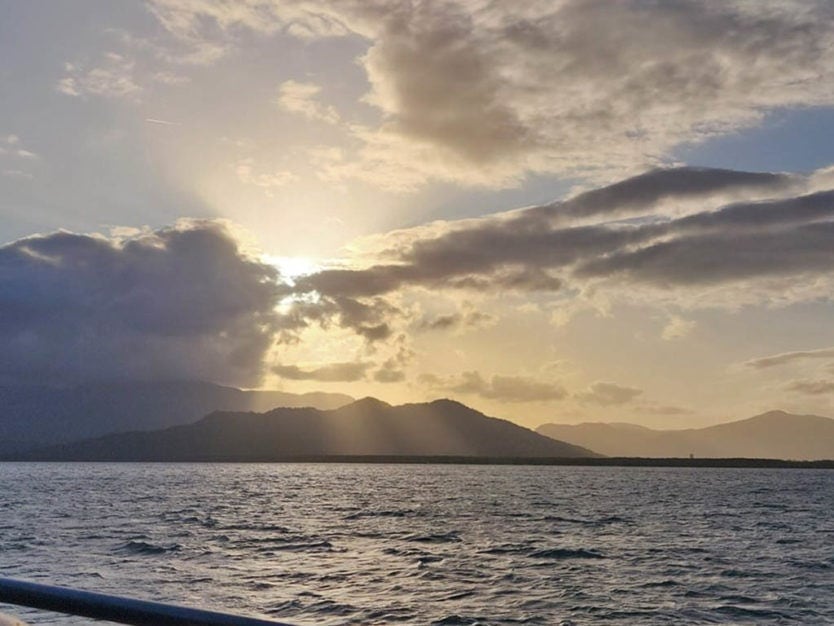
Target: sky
{"points": [[553, 211]]}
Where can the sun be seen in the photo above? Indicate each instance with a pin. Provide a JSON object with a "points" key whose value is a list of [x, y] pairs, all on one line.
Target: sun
{"points": [[293, 267]]}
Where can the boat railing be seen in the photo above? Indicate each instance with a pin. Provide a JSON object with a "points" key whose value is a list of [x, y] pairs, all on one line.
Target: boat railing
{"points": [[119, 609]]}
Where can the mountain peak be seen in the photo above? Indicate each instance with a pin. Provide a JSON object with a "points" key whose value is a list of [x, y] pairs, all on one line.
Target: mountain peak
{"points": [[775, 413], [368, 403], [368, 427], [448, 403], [775, 434]]}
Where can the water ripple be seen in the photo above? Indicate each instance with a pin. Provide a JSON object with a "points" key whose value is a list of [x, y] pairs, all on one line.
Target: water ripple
{"points": [[453, 545]]}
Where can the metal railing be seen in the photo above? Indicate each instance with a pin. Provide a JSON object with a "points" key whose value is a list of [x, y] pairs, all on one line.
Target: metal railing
{"points": [[116, 608]]}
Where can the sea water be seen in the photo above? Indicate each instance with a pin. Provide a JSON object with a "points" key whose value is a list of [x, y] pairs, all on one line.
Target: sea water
{"points": [[430, 544]]}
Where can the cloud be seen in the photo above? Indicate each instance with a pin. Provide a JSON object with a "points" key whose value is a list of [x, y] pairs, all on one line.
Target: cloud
{"points": [[663, 409], [392, 369], [465, 319], [268, 181], [196, 20], [811, 387], [672, 186], [369, 319], [430, 272], [349, 372], [608, 394], [153, 120], [14, 154], [785, 238], [300, 98], [486, 93], [790, 357], [112, 78], [545, 249], [677, 328], [389, 372], [183, 302], [501, 388], [522, 85], [669, 235]]}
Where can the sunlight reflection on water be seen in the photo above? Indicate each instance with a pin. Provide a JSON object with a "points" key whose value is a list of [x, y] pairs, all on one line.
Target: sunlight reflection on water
{"points": [[384, 544]]}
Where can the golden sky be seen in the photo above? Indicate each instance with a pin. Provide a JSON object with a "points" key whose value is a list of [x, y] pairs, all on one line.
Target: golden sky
{"points": [[552, 211]]}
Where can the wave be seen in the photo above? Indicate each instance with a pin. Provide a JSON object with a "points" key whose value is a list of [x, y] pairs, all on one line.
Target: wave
{"points": [[147, 548], [386, 513], [507, 548], [301, 546], [450, 537], [565, 553], [602, 521], [458, 620]]}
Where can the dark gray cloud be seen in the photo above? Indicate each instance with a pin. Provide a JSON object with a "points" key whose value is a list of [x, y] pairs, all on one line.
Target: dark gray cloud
{"points": [[787, 237], [537, 250], [422, 59], [346, 372], [608, 394], [467, 318], [723, 257], [370, 318], [501, 388], [443, 269], [761, 215], [645, 191], [182, 302]]}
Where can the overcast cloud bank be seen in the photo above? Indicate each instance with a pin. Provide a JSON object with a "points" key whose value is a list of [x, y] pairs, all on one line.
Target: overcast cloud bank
{"points": [[189, 302]]}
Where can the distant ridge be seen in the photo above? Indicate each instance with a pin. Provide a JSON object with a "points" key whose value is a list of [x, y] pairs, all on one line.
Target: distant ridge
{"points": [[36, 416], [367, 427], [774, 435]]}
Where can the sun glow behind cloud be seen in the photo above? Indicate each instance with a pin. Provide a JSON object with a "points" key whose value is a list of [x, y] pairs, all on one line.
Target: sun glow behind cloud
{"points": [[377, 153], [293, 267]]}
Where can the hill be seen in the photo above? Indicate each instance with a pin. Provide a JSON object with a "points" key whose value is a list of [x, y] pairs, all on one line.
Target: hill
{"points": [[775, 434], [367, 427], [38, 416]]}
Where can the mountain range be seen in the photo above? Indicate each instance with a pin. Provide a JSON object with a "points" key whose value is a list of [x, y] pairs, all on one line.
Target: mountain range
{"points": [[367, 427], [33, 416], [775, 434], [198, 420]]}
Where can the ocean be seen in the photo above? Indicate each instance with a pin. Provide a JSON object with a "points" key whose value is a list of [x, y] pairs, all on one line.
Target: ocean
{"points": [[329, 544]]}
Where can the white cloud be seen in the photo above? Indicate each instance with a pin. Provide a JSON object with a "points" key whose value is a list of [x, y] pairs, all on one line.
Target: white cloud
{"points": [[486, 93], [786, 358], [16, 159], [11, 147], [677, 328], [301, 98], [268, 181], [113, 78]]}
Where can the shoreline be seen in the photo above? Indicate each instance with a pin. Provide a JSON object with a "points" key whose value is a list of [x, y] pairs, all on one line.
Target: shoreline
{"points": [[461, 460]]}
